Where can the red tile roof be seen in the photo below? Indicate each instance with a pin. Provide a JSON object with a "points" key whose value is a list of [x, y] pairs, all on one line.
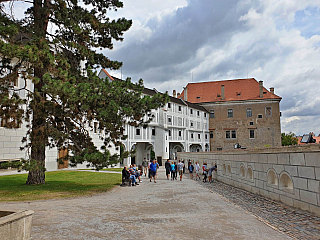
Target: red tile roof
{"points": [[109, 76], [238, 89], [300, 138]]}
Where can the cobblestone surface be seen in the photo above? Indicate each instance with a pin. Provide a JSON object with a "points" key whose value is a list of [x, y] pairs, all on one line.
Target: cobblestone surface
{"points": [[294, 222]]}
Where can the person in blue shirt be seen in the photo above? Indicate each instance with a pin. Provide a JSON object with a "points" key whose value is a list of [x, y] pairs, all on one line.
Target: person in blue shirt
{"points": [[173, 171], [153, 170], [190, 168]]}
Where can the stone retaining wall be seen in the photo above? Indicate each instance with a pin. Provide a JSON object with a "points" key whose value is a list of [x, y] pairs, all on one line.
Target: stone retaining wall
{"points": [[287, 174], [15, 225]]}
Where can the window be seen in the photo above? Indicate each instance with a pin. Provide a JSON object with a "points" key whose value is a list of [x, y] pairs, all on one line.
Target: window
{"points": [[230, 113], [137, 131], [219, 148], [260, 116], [212, 113], [231, 134], [251, 123], [153, 131], [198, 113], [166, 149], [211, 134], [227, 134], [249, 112], [191, 124], [169, 133], [95, 127], [169, 119], [179, 133], [169, 105], [191, 135], [206, 136], [199, 136], [191, 111], [268, 111], [179, 108], [3, 122], [205, 115], [251, 133]]}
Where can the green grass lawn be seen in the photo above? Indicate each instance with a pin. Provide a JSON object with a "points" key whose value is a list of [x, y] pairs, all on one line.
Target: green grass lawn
{"points": [[106, 169], [60, 184], [112, 169]]}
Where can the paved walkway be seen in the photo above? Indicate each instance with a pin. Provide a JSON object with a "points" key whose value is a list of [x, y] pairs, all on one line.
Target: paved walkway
{"points": [[162, 210]]}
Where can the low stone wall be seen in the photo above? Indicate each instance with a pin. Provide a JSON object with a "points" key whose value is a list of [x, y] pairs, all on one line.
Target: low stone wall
{"points": [[288, 174], [15, 225]]}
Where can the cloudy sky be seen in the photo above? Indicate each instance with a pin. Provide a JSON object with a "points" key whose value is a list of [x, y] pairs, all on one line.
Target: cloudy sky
{"points": [[175, 42], [276, 41]]}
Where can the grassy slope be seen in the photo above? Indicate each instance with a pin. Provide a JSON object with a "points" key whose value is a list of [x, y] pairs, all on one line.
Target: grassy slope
{"points": [[60, 184]]}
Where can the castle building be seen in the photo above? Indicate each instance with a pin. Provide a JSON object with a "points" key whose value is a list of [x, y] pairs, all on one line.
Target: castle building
{"points": [[242, 113], [179, 126]]}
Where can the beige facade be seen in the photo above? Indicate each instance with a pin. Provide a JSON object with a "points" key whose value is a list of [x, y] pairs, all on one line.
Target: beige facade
{"points": [[252, 124], [242, 112]]}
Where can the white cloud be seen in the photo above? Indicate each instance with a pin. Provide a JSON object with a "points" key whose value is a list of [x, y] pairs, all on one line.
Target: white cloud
{"points": [[277, 41]]}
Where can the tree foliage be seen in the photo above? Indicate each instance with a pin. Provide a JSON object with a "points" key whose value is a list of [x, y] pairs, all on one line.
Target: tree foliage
{"points": [[66, 98], [289, 139]]}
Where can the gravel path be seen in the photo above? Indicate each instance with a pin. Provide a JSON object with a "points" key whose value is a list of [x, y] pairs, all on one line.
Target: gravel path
{"points": [[162, 210]]}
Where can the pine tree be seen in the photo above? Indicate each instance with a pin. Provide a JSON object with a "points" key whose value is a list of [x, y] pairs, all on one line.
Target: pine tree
{"points": [[67, 98]]}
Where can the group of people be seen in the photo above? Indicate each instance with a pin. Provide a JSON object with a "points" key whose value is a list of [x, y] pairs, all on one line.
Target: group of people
{"points": [[172, 168], [132, 173]]}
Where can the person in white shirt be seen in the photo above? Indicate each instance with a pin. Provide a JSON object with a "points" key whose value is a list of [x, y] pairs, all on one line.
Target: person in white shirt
{"points": [[197, 167], [180, 169]]}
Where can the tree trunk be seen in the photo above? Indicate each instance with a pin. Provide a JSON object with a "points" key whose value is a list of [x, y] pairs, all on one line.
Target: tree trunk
{"points": [[38, 135]]}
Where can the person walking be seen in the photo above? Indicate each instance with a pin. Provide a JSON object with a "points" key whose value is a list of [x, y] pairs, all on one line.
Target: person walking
{"points": [[184, 167], [153, 171], [173, 169], [197, 168], [190, 168], [180, 169], [167, 167], [145, 166]]}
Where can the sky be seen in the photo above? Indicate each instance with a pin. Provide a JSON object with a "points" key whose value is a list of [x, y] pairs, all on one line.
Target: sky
{"points": [[172, 43]]}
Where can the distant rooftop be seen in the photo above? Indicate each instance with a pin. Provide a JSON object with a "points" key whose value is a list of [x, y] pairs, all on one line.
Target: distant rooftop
{"points": [[234, 90]]}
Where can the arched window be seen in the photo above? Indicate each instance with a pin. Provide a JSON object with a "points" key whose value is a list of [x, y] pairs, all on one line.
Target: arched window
{"points": [[229, 169], [285, 181], [242, 171], [272, 177], [250, 173], [224, 169]]}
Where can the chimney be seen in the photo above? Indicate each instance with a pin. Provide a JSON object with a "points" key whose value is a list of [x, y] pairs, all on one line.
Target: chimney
{"points": [[174, 93], [222, 92], [261, 89], [178, 95], [272, 90], [185, 94]]}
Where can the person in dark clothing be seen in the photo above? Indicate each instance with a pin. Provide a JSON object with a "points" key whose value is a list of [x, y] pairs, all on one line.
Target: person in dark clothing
{"points": [[167, 167], [175, 170], [125, 173], [184, 167]]}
